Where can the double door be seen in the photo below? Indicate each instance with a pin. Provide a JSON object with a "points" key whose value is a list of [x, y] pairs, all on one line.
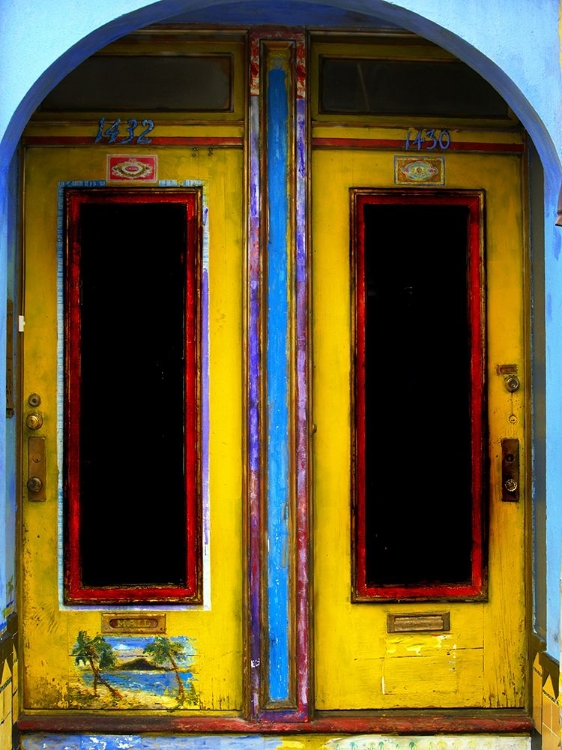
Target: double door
{"points": [[135, 574]]}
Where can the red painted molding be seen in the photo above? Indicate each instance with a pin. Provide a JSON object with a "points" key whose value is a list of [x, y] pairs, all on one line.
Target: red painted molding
{"points": [[384, 722], [474, 587], [76, 591]]}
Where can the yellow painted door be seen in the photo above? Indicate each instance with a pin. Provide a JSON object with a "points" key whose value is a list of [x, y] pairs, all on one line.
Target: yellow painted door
{"points": [[382, 650], [98, 651]]}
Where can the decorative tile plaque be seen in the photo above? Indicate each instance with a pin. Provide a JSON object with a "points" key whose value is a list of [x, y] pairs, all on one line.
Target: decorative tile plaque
{"points": [[126, 168], [419, 171]]}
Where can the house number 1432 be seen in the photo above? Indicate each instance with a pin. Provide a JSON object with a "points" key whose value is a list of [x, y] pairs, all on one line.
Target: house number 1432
{"points": [[428, 139], [127, 131]]}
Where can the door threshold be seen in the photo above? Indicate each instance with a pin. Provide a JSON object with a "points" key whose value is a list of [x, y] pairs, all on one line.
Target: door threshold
{"points": [[423, 721]]}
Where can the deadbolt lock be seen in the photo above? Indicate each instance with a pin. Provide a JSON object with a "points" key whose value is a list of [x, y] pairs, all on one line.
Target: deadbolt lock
{"points": [[34, 400]]}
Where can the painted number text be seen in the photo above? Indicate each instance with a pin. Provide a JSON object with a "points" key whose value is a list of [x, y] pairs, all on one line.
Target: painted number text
{"points": [[123, 132], [428, 139]]}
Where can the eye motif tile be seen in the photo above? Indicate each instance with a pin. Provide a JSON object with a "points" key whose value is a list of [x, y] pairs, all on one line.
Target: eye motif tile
{"points": [[425, 171]]}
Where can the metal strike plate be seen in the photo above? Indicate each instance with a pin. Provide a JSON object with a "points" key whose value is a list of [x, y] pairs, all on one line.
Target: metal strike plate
{"points": [[510, 470], [36, 470]]}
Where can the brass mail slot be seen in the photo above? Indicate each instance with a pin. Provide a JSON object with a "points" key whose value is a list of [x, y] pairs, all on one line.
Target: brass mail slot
{"points": [[427, 622], [130, 624]]}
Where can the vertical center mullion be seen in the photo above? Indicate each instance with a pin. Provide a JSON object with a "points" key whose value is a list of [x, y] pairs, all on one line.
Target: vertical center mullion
{"points": [[278, 635], [278, 378]]}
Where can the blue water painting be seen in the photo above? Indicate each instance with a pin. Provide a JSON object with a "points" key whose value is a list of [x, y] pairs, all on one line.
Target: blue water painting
{"points": [[159, 683], [132, 742]]}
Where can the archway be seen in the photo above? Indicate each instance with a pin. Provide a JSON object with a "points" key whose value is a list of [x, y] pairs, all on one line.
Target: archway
{"points": [[404, 17]]}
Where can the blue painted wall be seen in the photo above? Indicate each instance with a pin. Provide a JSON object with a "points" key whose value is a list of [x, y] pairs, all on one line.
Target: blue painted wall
{"points": [[513, 43]]}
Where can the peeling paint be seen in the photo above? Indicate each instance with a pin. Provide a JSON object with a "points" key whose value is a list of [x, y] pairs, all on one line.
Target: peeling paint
{"points": [[250, 742]]}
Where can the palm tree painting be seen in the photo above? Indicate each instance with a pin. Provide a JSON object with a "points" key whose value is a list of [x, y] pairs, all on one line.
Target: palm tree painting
{"points": [[98, 654], [137, 671], [163, 651]]}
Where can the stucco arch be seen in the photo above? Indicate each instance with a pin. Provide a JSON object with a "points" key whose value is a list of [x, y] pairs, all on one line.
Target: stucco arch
{"points": [[468, 30]]}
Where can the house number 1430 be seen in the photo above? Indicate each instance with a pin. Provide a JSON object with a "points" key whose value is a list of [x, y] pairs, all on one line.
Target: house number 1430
{"points": [[428, 139]]}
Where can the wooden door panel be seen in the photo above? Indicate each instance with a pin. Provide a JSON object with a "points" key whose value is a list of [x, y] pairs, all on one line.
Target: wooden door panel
{"points": [[139, 640], [481, 657]]}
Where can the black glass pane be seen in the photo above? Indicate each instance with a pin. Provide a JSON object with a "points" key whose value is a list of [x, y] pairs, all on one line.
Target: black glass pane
{"points": [[172, 83], [397, 87], [132, 493], [418, 432]]}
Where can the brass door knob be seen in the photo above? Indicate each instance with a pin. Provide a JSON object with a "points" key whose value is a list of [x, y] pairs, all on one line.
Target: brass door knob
{"points": [[34, 420], [34, 484]]}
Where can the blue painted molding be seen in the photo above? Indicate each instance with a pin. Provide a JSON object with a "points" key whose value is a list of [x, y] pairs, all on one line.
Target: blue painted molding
{"points": [[138, 742], [260, 742], [278, 383]]}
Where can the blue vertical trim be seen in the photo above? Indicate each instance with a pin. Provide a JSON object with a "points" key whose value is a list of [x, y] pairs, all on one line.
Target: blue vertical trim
{"points": [[254, 406], [278, 384], [553, 408]]}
